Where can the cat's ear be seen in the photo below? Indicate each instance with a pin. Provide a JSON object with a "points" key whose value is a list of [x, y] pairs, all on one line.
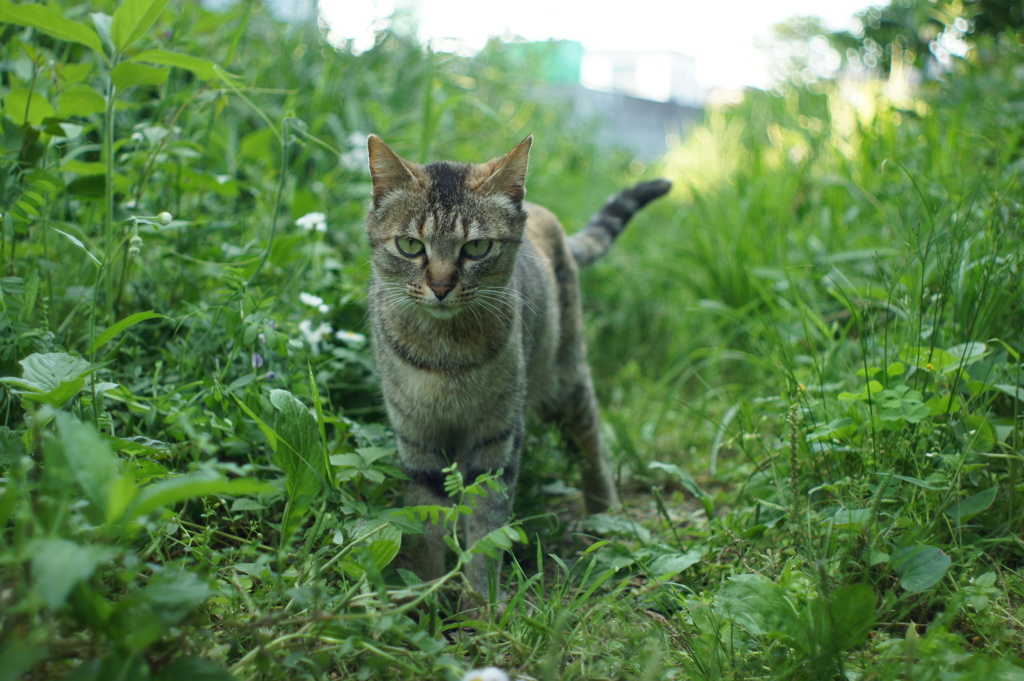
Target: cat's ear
{"points": [[508, 174], [388, 170]]}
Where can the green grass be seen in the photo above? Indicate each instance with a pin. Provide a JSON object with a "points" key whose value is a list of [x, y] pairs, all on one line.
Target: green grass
{"points": [[808, 358]]}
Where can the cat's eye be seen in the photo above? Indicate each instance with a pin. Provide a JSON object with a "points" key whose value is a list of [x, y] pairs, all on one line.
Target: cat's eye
{"points": [[477, 248], [409, 247]]}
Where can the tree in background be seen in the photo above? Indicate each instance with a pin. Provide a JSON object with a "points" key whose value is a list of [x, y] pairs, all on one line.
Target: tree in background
{"points": [[904, 37]]}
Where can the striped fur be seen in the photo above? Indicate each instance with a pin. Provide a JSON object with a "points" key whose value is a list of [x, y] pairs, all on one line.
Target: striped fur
{"points": [[475, 308], [594, 240]]}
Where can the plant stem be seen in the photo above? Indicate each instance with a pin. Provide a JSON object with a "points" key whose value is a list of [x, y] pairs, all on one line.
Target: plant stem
{"points": [[108, 186], [285, 146]]}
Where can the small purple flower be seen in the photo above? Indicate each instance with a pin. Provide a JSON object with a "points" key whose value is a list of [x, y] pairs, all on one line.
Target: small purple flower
{"points": [[271, 375], [257, 360], [263, 339]]}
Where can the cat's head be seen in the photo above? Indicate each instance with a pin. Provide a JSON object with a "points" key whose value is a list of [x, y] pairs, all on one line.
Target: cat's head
{"points": [[445, 236]]}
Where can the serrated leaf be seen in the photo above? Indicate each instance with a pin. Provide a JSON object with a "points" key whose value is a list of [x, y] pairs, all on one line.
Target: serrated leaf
{"points": [[51, 378], [300, 456], [919, 567], [51, 23], [127, 74], [132, 19]]}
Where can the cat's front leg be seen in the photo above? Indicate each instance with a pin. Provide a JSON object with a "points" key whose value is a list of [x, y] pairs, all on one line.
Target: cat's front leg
{"points": [[425, 488], [493, 509]]}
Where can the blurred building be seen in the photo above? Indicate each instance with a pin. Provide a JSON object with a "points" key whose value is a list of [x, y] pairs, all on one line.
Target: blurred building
{"points": [[642, 99]]}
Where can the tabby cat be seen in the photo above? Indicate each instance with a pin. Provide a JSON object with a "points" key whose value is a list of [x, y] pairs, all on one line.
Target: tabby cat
{"points": [[475, 307]]}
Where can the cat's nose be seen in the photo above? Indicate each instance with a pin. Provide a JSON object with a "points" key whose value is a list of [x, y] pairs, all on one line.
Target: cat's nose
{"points": [[441, 288]]}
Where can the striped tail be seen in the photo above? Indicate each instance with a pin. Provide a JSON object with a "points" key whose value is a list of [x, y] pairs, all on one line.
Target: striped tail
{"points": [[594, 240]]}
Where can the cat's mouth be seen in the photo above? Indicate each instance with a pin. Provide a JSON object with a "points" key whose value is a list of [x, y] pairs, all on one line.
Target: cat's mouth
{"points": [[440, 309]]}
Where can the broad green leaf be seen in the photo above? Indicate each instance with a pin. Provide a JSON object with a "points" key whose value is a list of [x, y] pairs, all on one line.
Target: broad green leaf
{"points": [[379, 552], [896, 369], [128, 74], [854, 608], [102, 22], [966, 509], [919, 567], [125, 323], [59, 564], [18, 655], [73, 165], [931, 359], [604, 524], [299, 454], [50, 22], [202, 68], [80, 100], [1014, 391], [267, 431], [855, 519], [23, 106], [981, 436], [93, 466], [146, 615], [191, 486], [194, 668], [51, 378], [756, 603], [132, 19], [494, 543], [666, 565], [944, 404], [321, 423], [871, 389], [966, 354]]}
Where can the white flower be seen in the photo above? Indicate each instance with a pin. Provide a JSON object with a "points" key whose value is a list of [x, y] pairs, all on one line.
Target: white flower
{"points": [[315, 336], [310, 299], [314, 301], [488, 674], [356, 158], [315, 222], [350, 337]]}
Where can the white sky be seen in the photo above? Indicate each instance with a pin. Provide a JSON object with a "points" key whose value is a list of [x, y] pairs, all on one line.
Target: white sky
{"points": [[721, 34]]}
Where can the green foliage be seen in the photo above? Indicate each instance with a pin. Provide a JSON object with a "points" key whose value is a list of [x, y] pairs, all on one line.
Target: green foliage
{"points": [[810, 363]]}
